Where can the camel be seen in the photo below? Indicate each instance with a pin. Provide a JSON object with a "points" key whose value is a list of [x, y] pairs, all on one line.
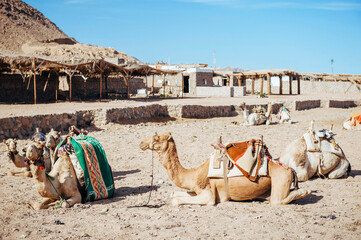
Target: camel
{"points": [[319, 158], [284, 116], [16, 158], [258, 116], [41, 138], [60, 186], [354, 122], [52, 139], [74, 131], [209, 191]]}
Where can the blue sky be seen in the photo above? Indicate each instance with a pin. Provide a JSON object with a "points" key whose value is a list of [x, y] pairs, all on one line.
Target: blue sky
{"points": [[303, 35]]}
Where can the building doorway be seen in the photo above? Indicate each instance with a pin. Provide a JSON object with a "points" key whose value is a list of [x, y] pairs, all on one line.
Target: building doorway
{"points": [[185, 84]]}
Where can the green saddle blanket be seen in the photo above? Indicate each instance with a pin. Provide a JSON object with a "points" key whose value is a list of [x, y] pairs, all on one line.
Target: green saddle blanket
{"points": [[99, 182]]}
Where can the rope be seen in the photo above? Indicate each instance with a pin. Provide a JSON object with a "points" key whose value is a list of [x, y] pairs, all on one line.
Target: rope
{"points": [[61, 199]]}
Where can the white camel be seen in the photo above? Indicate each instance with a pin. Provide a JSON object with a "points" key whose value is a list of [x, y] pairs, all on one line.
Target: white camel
{"points": [[283, 115], [316, 153], [258, 116]]}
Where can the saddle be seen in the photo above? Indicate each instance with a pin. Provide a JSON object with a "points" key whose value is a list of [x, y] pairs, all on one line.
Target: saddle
{"points": [[322, 141], [239, 159]]}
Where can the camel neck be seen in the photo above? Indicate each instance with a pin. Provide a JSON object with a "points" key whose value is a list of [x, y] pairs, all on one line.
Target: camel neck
{"points": [[177, 173], [38, 173]]}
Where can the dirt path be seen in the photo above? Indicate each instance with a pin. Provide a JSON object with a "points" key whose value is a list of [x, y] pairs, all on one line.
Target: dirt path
{"points": [[332, 211]]}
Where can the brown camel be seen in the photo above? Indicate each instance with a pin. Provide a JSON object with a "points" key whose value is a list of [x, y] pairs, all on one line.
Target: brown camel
{"points": [[209, 191], [52, 139], [16, 158], [59, 186]]}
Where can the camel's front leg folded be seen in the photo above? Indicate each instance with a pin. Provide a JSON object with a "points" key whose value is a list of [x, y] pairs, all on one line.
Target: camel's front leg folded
{"points": [[204, 198], [44, 204], [21, 173], [72, 201]]}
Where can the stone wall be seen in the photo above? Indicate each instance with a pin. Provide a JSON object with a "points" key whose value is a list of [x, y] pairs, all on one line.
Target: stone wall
{"points": [[24, 126]]}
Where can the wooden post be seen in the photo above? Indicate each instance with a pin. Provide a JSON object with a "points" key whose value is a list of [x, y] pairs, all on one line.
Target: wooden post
{"points": [[228, 80], [239, 81], [164, 84], [56, 87], [34, 80], [261, 89], [106, 85], [290, 83], [70, 87], [100, 87], [153, 85], [128, 87], [252, 89], [146, 84], [298, 85], [280, 84], [84, 89], [182, 89], [269, 91]]}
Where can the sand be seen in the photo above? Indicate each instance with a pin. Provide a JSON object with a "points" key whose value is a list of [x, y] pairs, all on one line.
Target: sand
{"points": [[332, 211]]}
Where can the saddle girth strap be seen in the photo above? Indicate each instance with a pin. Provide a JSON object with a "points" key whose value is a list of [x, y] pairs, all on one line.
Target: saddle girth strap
{"points": [[225, 173]]}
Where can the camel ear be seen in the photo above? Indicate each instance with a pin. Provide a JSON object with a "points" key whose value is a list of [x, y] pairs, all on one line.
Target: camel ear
{"points": [[14, 139], [169, 136]]}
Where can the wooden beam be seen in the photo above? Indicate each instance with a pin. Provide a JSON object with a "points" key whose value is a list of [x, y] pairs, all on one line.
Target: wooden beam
{"points": [[228, 80], [106, 85], [290, 83], [84, 89], [269, 91], [280, 84], [34, 71], [164, 84], [70, 87], [56, 87], [261, 88]]}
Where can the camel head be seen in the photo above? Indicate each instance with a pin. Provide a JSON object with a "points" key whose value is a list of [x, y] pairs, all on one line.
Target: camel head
{"points": [[34, 151], [11, 144], [158, 142], [74, 131], [52, 139]]}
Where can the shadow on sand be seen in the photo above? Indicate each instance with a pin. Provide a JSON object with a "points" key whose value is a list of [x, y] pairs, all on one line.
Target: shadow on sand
{"points": [[118, 175], [310, 199]]}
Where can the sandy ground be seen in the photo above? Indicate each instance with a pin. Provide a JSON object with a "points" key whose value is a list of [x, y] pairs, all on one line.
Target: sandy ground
{"points": [[332, 211]]}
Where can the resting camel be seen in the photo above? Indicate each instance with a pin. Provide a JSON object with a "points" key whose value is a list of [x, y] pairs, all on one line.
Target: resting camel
{"points": [[321, 160], [52, 139], [16, 158], [354, 122], [61, 183], [283, 115], [258, 116], [209, 191]]}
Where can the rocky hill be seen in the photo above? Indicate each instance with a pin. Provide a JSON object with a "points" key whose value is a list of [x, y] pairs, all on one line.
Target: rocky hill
{"points": [[26, 31]]}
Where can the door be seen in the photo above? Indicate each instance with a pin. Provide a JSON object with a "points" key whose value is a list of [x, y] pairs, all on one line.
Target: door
{"points": [[186, 84]]}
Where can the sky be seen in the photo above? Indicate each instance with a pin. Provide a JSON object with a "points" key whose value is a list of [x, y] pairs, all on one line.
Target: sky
{"points": [[303, 35]]}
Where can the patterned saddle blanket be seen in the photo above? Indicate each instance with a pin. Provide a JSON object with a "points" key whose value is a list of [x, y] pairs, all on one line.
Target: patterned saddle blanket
{"points": [[90, 164], [243, 159]]}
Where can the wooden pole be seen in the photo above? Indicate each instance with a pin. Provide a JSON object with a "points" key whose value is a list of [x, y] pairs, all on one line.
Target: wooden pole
{"points": [[239, 81], [228, 80], [269, 91], [298, 85], [261, 89], [56, 87], [70, 87], [153, 85], [280, 84], [84, 89], [100, 86], [164, 84], [146, 84], [106, 85], [252, 89], [128, 86], [182, 89], [34, 80], [290, 83]]}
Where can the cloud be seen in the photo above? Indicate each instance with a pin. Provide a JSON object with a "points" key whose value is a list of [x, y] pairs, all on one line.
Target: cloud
{"points": [[296, 4]]}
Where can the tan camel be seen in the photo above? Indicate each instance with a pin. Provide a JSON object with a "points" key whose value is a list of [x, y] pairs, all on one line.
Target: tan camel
{"points": [[325, 157], [60, 184], [258, 116], [52, 139], [209, 191], [16, 158]]}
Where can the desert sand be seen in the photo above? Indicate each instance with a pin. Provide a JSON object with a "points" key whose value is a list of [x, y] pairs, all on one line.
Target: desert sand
{"points": [[332, 211]]}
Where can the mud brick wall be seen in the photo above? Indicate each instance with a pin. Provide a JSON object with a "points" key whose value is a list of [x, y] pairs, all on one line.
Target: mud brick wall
{"points": [[198, 111], [308, 104], [341, 104]]}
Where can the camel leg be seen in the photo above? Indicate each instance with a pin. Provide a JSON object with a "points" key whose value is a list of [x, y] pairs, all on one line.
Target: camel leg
{"points": [[340, 170], [182, 194], [21, 173], [281, 180], [302, 174], [72, 201], [44, 204], [205, 198]]}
